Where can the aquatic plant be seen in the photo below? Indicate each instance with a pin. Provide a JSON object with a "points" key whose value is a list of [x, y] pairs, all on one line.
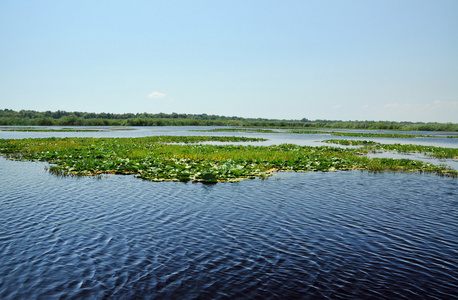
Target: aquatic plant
{"points": [[160, 158], [245, 130], [350, 142], [38, 129], [335, 133], [439, 152], [371, 146]]}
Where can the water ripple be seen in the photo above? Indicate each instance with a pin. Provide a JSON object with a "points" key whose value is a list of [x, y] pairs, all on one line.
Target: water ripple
{"points": [[341, 235]]}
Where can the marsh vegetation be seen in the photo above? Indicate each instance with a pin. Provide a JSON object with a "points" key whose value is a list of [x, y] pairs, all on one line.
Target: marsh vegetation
{"points": [[335, 133], [44, 129], [182, 158], [438, 152]]}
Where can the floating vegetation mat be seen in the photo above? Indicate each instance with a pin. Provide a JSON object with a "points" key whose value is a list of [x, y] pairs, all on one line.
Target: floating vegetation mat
{"points": [[371, 146], [335, 133], [159, 158], [38, 129]]}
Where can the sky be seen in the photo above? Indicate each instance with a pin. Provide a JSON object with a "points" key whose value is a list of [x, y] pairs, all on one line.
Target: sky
{"points": [[391, 60]]}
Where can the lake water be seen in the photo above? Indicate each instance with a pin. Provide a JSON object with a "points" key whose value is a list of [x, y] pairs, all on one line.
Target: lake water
{"points": [[273, 138], [334, 235]]}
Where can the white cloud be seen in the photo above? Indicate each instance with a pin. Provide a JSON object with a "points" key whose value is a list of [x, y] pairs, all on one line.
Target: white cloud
{"points": [[156, 95], [398, 106], [337, 106]]}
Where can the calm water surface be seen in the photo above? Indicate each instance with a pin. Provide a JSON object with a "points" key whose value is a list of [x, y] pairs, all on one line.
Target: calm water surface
{"points": [[273, 138], [335, 235]]}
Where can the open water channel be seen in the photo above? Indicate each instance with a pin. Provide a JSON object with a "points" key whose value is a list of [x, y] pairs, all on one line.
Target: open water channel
{"points": [[333, 235]]}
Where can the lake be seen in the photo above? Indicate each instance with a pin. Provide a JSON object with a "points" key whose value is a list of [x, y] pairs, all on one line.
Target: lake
{"points": [[333, 235]]}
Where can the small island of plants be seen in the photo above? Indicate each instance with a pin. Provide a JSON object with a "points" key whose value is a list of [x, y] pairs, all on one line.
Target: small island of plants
{"points": [[184, 158], [335, 133], [371, 146]]}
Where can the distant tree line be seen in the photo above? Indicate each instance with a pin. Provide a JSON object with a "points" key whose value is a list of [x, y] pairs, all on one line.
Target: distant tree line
{"points": [[64, 118]]}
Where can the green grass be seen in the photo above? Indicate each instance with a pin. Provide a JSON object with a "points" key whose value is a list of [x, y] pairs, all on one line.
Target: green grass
{"points": [[161, 158]]}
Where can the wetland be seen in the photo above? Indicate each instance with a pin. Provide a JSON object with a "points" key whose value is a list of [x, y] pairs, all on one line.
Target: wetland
{"points": [[338, 225]]}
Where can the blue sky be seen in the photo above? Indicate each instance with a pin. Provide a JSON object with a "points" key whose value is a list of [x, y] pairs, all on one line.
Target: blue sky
{"points": [[336, 59]]}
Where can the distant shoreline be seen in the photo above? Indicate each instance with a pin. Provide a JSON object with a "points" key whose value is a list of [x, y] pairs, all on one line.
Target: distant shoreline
{"points": [[10, 117]]}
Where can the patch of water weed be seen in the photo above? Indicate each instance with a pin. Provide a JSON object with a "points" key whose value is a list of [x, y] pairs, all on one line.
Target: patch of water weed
{"points": [[370, 146], [159, 158], [335, 133], [37, 129], [350, 142], [245, 130]]}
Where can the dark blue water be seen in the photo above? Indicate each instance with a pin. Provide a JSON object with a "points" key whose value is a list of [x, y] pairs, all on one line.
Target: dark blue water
{"points": [[341, 235]]}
